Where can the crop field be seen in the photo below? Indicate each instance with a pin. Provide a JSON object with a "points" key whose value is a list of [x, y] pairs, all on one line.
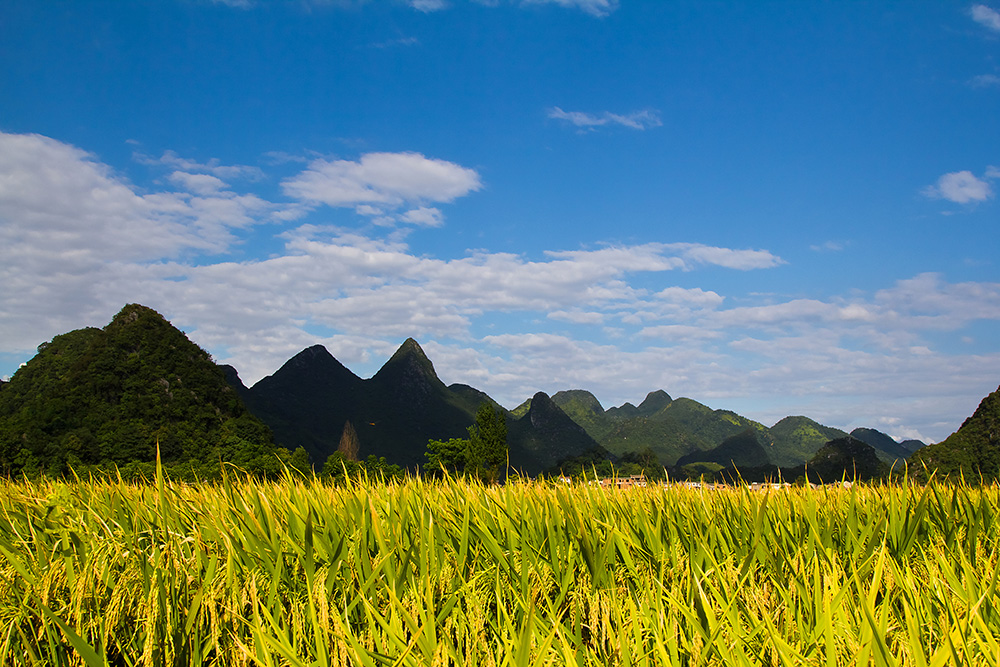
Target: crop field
{"points": [[456, 573]]}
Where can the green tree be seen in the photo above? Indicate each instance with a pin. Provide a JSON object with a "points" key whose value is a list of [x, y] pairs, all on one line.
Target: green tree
{"points": [[487, 451], [447, 455]]}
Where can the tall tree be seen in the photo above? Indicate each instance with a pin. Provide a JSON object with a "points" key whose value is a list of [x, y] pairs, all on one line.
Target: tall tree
{"points": [[487, 452]]}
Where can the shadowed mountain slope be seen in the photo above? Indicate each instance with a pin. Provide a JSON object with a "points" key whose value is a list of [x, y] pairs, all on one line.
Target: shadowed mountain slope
{"points": [[972, 451], [309, 400], [797, 439], [889, 451], [739, 451], [545, 435]]}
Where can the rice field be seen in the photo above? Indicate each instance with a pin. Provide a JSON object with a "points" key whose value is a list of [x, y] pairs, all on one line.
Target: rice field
{"points": [[455, 573]]}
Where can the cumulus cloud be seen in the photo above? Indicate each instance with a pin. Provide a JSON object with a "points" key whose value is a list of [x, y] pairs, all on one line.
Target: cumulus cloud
{"points": [[60, 198], [961, 187], [637, 120], [378, 183], [986, 16], [423, 215]]}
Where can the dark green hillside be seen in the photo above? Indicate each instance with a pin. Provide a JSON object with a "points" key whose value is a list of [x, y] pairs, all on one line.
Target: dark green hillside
{"points": [[653, 403], [307, 401], [889, 451], [406, 404], [545, 435], [472, 396], [107, 396], [667, 427], [740, 451], [797, 439], [845, 458], [310, 399], [584, 408], [972, 451], [679, 427]]}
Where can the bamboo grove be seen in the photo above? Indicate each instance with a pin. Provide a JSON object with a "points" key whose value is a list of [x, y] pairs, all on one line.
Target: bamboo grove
{"points": [[302, 572]]}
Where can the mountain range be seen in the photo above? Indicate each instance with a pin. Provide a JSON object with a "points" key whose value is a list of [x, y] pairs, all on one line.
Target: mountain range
{"points": [[310, 399], [110, 395]]}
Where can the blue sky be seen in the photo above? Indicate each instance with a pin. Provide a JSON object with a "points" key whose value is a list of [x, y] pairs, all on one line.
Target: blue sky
{"points": [[771, 207]]}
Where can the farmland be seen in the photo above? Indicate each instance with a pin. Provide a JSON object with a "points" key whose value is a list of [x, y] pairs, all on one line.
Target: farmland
{"points": [[420, 572]]}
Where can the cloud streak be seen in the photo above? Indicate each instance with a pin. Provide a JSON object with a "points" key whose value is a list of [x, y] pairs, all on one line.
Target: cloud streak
{"points": [[637, 120]]}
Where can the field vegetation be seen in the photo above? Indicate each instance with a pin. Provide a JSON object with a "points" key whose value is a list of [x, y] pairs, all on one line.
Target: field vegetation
{"points": [[454, 572]]}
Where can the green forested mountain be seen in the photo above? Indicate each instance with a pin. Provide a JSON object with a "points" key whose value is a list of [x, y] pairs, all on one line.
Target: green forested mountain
{"points": [[669, 428], [545, 435], [972, 451], [108, 396], [845, 458], [740, 451], [797, 439], [682, 431], [888, 450]]}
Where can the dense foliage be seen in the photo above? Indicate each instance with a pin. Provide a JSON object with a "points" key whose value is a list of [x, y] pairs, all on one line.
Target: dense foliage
{"points": [[105, 398], [483, 455], [972, 452], [459, 573]]}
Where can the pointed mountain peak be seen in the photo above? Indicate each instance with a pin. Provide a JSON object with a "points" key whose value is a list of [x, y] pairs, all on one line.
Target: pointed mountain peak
{"points": [[543, 411], [315, 357], [410, 347], [409, 360], [654, 402], [312, 367]]}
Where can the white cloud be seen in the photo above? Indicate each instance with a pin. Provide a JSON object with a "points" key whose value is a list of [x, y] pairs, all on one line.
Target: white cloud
{"points": [[428, 5], [599, 8], [203, 184], [378, 183], [745, 260], [213, 166], [637, 120], [423, 215], [667, 256], [961, 187], [986, 16], [399, 41], [577, 317], [985, 81]]}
